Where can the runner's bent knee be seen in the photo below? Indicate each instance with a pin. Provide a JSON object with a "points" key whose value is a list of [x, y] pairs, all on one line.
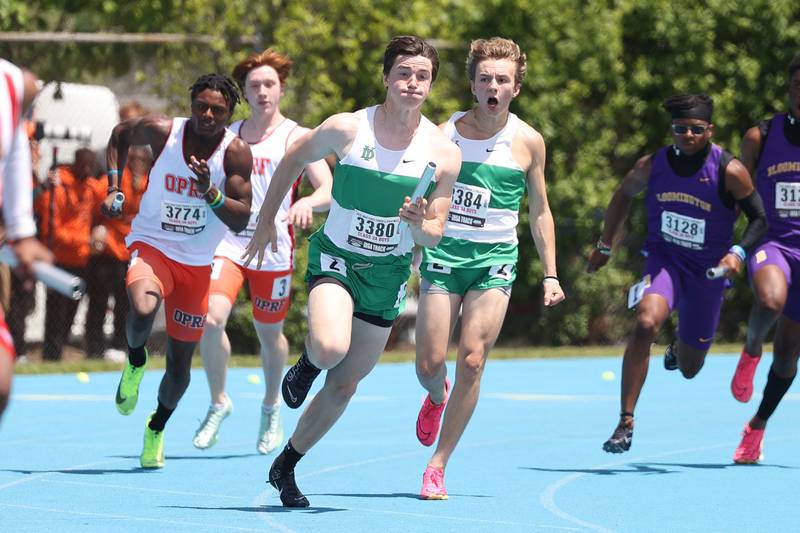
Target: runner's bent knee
{"points": [[471, 366], [327, 352]]}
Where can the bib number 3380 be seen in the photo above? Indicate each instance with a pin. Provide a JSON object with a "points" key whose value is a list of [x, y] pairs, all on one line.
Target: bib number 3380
{"points": [[373, 233]]}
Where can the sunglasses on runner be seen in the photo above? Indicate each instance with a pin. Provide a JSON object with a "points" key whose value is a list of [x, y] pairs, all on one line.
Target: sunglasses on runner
{"points": [[683, 129]]}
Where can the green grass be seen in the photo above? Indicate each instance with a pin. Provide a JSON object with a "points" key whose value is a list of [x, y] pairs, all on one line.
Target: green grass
{"points": [[395, 356]]}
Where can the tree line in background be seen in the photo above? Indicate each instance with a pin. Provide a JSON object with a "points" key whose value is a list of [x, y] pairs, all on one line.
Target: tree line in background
{"points": [[597, 74]]}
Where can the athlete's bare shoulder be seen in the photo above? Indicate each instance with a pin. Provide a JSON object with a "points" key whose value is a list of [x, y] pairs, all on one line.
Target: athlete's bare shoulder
{"points": [[238, 159], [30, 84], [297, 132], [528, 146], [154, 121], [446, 153], [238, 146], [337, 132], [442, 142], [346, 123]]}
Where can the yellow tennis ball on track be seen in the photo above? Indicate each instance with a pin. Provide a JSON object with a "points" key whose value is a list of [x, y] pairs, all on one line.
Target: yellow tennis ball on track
{"points": [[254, 379], [82, 377], [608, 375]]}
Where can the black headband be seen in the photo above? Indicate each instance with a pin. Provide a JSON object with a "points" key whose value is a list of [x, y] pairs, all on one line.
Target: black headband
{"points": [[701, 111]]}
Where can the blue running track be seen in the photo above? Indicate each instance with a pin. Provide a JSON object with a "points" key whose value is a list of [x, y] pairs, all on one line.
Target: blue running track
{"points": [[530, 460]]}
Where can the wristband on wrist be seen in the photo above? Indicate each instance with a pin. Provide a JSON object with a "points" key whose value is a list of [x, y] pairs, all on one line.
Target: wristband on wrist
{"points": [[550, 279], [218, 200], [603, 248], [738, 251], [113, 172]]}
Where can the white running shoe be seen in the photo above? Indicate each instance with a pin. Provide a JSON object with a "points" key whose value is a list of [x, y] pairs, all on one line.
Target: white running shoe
{"points": [[208, 432], [270, 432]]}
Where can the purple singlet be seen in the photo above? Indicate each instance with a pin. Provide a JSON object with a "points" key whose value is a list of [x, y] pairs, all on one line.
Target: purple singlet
{"points": [[686, 218], [778, 183], [689, 229]]}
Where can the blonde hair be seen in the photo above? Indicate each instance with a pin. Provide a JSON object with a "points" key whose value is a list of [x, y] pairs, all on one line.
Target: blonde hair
{"points": [[280, 62], [496, 48]]}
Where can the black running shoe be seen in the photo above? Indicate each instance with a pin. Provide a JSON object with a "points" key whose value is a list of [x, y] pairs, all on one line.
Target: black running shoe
{"points": [[670, 359], [285, 484], [297, 382], [620, 440]]}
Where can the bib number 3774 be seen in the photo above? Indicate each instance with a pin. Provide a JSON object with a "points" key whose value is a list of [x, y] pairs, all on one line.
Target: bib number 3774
{"points": [[183, 218]]}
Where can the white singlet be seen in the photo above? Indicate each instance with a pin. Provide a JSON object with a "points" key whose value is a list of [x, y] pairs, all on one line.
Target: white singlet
{"points": [[267, 153], [15, 156], [173, 217]]}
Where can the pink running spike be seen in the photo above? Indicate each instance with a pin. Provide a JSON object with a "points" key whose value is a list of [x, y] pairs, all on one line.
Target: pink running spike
{"points": [[750, 450], [742, 382], [430, 417], [433, 484]]}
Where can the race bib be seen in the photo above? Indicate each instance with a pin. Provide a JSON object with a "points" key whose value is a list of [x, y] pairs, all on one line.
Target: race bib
{"points": [[331, 263], [683, 230], [469, 206], [501, 271], [636, 292], [251, 226], [787, 199], [281, 287], [216, 268], [401, 295], [376, 234], [436, 267], [183, 218]]}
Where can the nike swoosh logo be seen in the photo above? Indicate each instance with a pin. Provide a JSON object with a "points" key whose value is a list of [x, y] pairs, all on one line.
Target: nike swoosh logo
{"points": [[292, 396], [701, 339], [408, 160], [490, 149], [119, 399]]}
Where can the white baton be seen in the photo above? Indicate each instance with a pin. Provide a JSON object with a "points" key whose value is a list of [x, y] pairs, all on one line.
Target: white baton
{"points": [[59, 280], [421, 188]]}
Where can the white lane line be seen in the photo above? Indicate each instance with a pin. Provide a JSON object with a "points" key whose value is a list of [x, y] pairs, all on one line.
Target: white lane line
{"points": [[360, 463], [62, 398], [144, 489], [510, 396], [37, 477], [548, 501], [526, 397], [383, 458], [468, 520], [204, 525], [50, 439]]}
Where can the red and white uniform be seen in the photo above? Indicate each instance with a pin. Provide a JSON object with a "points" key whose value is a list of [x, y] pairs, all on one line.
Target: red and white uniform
{"points": [[15, 156], [15, 171], [267, 153], [173, 216]]}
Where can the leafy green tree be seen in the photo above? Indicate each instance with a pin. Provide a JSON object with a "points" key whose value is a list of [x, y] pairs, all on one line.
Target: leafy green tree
{"points": [[597, 74]]}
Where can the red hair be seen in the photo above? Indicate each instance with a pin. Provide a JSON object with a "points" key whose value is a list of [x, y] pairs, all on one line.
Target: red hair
{"points": [[269, 57]]}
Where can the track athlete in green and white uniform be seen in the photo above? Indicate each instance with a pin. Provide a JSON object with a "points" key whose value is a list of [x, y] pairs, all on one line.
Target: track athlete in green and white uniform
{"points": [[474, 265], [359, 261]]}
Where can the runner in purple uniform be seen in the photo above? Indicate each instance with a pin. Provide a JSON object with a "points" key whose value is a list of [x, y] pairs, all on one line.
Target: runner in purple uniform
{"points": [[771, 152], [692, 189]]}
